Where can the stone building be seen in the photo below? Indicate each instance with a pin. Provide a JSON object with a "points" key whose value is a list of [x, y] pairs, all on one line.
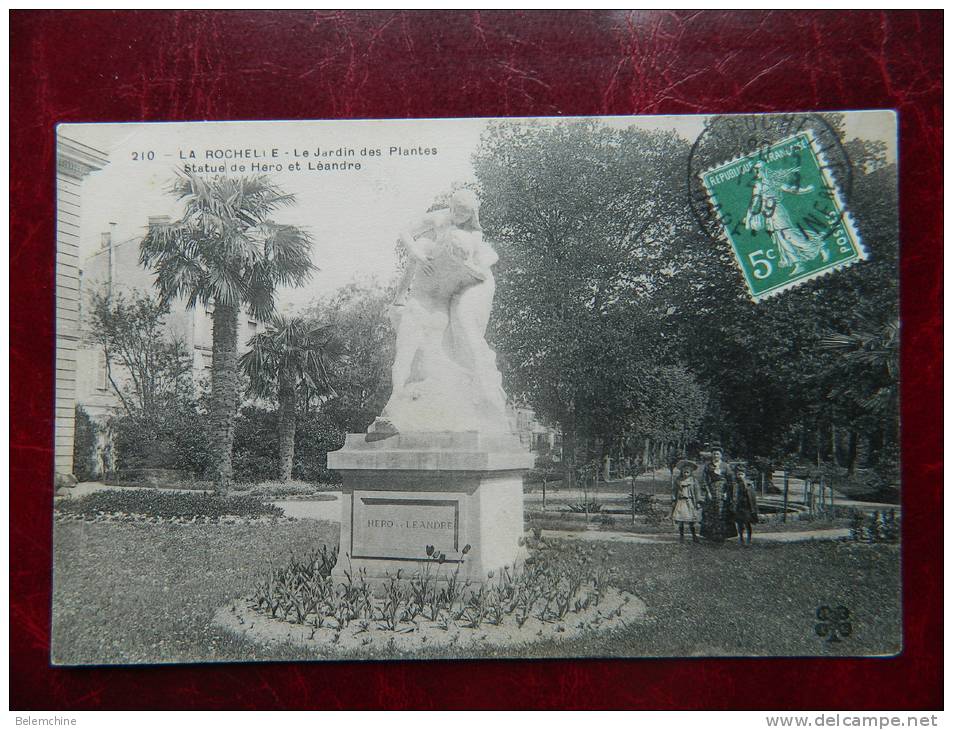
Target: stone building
{"points": [[74, 161], [534, 435], [115, 268]]}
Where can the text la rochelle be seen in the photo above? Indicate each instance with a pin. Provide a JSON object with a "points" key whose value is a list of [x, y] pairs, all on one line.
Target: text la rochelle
{"points": [[230, 154]]}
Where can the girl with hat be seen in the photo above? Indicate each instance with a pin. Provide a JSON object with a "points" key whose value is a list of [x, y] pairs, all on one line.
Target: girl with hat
{"points": [[686, 499]]}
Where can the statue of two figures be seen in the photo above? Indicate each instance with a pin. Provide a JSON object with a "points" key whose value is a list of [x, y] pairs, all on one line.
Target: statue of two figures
{"points": [[444, 375]]}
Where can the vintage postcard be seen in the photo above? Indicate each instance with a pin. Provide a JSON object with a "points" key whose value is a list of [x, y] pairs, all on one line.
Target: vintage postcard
{"points": [[465, 388]]}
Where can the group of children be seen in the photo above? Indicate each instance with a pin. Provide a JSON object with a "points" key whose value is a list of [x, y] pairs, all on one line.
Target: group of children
{"points": [[723, 502]]}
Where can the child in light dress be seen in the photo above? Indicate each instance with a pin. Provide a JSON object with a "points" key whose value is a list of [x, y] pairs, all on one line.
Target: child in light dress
{"points": [[686, 500]]}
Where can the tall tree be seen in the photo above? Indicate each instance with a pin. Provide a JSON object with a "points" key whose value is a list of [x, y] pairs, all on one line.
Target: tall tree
{"points": [[865, 379], [145, 366], [670, 412], [225, 251], [293, 356], [585, 218], [361, 386]]}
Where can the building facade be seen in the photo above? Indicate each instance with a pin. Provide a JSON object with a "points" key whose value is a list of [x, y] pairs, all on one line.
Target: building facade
{"points": [[74, 161], [115, 269], [534, 435]]}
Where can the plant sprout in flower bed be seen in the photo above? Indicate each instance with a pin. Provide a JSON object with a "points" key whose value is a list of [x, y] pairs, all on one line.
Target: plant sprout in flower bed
{"points": [[549, 587], [162, 504]]}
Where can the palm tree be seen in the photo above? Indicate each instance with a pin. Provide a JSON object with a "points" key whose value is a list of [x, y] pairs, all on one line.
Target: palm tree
{"points": [[866, 378], [871, 351], [226, 251], [293, 356]]}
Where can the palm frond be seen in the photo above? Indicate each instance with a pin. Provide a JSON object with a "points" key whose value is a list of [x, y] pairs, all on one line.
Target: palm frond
{"points": [[286, 252], [225, 248], [292, 349]]}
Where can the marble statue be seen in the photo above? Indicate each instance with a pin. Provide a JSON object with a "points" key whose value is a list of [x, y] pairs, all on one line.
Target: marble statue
{"points": [[444, 376]]}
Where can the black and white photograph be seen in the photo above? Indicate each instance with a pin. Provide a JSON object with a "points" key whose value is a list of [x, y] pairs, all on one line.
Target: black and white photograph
{"points": [[617, 386]]}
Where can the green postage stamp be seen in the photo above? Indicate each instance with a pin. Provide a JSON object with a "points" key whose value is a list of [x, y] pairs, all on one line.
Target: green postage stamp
{"points": [[783, 215]]}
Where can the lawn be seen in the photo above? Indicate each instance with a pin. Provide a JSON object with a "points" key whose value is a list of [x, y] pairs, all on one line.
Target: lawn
{"points": [[134, 592]]}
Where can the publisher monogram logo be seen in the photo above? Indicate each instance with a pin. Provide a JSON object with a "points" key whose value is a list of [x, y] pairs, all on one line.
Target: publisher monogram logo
{"points": [[833, 624]]}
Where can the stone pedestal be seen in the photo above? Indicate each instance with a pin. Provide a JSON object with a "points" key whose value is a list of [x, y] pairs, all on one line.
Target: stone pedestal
{"points": [[445, 489]]}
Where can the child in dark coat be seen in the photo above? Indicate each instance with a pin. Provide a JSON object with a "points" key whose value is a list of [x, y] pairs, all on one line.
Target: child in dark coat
{"points": [[744, 504]]}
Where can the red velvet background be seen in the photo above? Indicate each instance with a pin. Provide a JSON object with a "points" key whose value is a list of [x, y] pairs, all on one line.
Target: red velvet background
{"points": [[130, 66]]}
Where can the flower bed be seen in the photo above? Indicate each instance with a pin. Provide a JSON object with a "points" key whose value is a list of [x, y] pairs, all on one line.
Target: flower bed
{"points": [[154, 505], [554, 594]]}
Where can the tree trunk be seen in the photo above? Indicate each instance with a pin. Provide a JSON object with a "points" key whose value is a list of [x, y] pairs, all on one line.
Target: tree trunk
{"points": [[784, 509], [632, 487], [852, 453], [876, 446], [834, 459], [224, 404], [569, 457], [287, 415]]}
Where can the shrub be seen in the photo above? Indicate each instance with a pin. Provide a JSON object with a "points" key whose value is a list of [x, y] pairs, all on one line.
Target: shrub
{"points": [[875, 527], [641, 503], [255, 451], [165, 504], [545, 468], [590, 507], [887, 469], [648, 508], [315, 437], [85, 438], [870, 485], [857, 525], [294, 488], [173, 437]]}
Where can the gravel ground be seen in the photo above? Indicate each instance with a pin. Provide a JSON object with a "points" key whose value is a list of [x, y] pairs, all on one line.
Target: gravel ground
{"points": [[147, 594], [622, 523]]}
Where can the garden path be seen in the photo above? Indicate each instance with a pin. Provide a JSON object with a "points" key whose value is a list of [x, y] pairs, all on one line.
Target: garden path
{"points": [[309, 509], [629, 537], [329, 510]]}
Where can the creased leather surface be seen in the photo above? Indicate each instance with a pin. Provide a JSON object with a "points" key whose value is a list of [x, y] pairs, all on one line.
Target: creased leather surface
{"points": [[122, 66]]}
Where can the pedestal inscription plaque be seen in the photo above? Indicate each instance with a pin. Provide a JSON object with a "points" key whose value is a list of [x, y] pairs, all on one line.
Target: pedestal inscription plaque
{"points": [[386, 526]]}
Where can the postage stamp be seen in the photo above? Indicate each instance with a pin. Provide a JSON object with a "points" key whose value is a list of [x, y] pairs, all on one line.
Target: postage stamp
{"points": [[783, 214]]}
